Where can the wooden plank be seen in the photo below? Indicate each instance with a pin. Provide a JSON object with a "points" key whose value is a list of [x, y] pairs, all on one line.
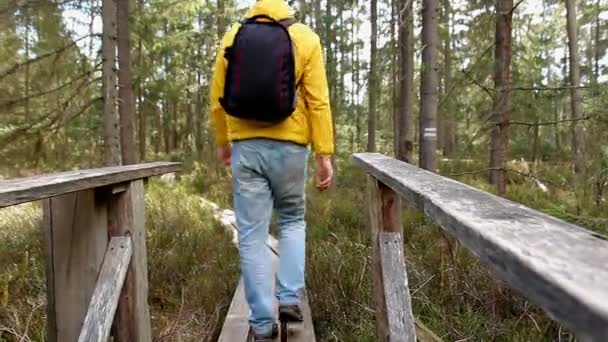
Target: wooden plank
{"points": [[127, 218], [236, 325], [100, 315], [76, 241], [424, 333], [394, 315], [396, 289], [559, 266], [304, 332], [20, 190], [375, 221], [47, 233]]}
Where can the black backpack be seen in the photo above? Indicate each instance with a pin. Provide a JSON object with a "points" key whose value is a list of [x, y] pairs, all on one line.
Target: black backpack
{"points": [[260, 81]]}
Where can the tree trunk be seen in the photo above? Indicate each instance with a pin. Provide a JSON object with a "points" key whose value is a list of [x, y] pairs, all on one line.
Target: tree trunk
{"points": [[596, 45], [429, 87], [372, 80], [175, 132], [158, 137], [221, 25], [357, 67], [318, 18], [140, 98], [502, 80], [126, 106], [405, 129], [449, 143], [394, 52], [166, 125], [26, 90], [330, 55], [536, 139], [110, 115], [303, 10], [578, 131]]}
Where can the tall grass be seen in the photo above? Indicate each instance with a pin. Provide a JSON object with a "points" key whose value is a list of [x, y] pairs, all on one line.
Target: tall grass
{"points": [[192, 268], [22, 275]]}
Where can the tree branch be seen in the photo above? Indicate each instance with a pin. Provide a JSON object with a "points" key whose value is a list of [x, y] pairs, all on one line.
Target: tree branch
{"points": [[558, 88], [549, 123], [484, 88], [38, 58], [38, 125], [528, 175], [516, 5], [9, 103], [14, 5]]}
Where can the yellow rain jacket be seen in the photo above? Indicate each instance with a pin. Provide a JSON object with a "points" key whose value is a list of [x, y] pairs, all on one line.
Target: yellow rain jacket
{"points": [[311, 122]]}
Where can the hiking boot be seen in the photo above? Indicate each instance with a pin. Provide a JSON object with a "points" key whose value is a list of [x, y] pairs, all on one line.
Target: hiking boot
{"points": [[290, 313], [269, 337]]}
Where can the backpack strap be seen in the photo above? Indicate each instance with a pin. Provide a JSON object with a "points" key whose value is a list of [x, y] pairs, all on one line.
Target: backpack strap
{"points": [[288, 22]]}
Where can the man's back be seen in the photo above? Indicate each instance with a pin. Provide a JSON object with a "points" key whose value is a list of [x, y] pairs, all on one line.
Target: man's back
{"points": [[311, 120]]}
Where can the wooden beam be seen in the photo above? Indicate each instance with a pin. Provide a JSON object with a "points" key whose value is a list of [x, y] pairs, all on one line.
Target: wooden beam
{"points": [[559, 266], [396, 291], [76, 238], [236, 323], [100, 315], [20, 190], [127, 218], [394, 315]]}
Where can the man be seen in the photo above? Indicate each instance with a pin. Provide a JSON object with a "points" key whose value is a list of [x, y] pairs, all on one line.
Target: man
{"points": [[269, 160]]}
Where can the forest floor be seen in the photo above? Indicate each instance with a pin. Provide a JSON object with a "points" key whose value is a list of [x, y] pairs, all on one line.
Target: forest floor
{"points": [[193, 265]]}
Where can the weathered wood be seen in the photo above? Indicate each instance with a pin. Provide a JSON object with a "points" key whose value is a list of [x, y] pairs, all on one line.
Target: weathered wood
{"points": [[47, 233], [396, 291], [20, 190], [76, 239], [236, 325], [376, 222], [304, 332], [394, 315], [100, 315], [127, 218], [557, 265], [424, 333]]}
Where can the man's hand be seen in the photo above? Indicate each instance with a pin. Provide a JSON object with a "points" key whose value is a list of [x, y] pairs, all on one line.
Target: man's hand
{"points": [[224, 153], [325, 172]]}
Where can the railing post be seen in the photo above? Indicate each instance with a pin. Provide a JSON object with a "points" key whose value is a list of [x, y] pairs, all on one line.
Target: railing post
{"points": [[394, 314], [127, 218], [75, 231]]}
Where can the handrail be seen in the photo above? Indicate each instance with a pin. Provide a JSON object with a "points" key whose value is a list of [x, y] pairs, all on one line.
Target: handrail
{"points": [[100, 315], [559, 266], [95, 250], [29, 189]]}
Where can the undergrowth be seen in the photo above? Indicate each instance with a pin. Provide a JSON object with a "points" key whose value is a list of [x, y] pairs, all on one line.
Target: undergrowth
{"points": [[192, 267]]}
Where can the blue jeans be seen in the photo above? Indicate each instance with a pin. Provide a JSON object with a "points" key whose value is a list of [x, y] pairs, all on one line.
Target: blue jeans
{"points": [[269, 174]]}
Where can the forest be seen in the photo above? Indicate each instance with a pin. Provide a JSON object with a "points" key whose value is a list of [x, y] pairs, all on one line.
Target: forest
{"points": [[508, 96]]}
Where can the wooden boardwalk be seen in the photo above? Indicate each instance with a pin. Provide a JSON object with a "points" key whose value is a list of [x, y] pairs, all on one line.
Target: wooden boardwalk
{"points": [[236, 325], [94, 237]]}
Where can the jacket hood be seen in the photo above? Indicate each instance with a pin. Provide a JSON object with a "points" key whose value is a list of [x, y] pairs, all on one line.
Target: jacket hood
{"points": [[276, 9]]}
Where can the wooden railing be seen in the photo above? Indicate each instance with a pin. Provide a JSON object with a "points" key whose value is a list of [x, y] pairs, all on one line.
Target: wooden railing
{"points": [[561, 267], [94, 229]]}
